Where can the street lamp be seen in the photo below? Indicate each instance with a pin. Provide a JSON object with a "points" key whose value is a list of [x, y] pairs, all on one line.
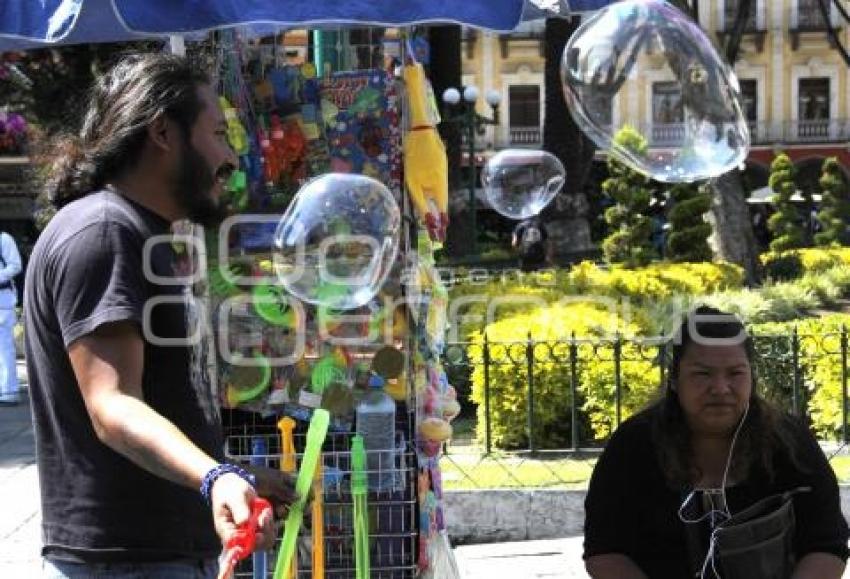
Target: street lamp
{"points": [[471, 124]]}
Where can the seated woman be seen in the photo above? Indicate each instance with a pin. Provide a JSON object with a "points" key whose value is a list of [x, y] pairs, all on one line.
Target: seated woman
{"points": [[709, 448]]}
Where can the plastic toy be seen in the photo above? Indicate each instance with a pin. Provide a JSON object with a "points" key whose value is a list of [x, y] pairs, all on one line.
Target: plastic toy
{"points": [[272, 304], [359, 486], [244, 540], [236, 134], [318, 525], [246, 383], [259, 450], [315, 439], [425, 164]]}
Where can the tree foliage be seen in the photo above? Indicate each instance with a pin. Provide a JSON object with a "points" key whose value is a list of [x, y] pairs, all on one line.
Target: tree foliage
{"points": [[50, 86], [629, 241], [834, 214]]}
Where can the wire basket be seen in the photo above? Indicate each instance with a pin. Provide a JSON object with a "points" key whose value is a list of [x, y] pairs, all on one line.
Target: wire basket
{"points": [[391, 501]]}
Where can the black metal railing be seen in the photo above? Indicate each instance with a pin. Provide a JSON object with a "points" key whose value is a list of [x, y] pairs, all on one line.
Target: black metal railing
{"points": [[793, 371]]}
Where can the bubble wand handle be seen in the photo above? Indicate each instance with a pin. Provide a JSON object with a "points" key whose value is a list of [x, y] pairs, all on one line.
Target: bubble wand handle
{"points": [[315, 439], [244, 540]]}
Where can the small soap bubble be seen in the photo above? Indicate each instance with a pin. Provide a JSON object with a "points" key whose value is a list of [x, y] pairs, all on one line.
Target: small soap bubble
{"points": [[520, 183]]}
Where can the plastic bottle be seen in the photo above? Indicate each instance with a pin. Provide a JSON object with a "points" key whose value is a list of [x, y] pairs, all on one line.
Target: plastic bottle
{"points": [[376, 424]]}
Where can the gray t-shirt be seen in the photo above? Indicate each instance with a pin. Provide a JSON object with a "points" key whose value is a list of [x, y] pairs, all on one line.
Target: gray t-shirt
{"points": [[87, 270]]}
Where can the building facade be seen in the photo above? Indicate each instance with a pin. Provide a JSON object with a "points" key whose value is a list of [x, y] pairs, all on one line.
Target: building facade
{"points": [[795, 86]]}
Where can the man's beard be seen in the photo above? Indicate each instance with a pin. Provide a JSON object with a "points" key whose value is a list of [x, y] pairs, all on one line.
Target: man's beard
{"points": [[193, 187]]}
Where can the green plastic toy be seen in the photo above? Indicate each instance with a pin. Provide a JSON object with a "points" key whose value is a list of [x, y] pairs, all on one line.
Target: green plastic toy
{"points": [[247, 382], [272, 305], [315, 439], [359, 487]]}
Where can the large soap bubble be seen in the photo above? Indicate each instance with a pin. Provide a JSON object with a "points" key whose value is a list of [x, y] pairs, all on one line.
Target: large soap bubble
{"points": [[688, 125], [337, 241], [520, 183]]}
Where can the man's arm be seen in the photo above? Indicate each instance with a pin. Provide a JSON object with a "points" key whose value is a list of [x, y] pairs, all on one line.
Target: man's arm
{"points": [[819, 566], [612, 566], [108, 365]]}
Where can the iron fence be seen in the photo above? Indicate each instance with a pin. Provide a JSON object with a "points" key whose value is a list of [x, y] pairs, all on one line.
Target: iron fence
{"points": [[788, 367], [545, 383]]}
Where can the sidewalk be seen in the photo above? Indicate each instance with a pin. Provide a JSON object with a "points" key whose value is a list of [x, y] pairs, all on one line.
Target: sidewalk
{"points": [[20, 522]]}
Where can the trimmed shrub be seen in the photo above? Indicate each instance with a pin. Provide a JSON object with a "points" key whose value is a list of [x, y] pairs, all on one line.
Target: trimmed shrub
{"points": [[834, 213], [785, 223], [629, 240], [688, 237]]}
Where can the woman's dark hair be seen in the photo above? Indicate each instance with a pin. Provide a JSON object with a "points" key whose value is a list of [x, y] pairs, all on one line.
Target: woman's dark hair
{"points": [[763, 431], [122, 104]]}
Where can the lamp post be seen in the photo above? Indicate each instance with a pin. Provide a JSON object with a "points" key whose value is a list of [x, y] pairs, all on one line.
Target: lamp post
{"points": [[471, 123]]}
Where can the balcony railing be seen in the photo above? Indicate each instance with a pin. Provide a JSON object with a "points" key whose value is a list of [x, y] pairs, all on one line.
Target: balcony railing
{"points": [[672, 134], [525, 136]]}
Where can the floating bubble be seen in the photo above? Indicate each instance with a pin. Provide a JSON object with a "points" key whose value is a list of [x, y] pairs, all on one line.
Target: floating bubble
{"points": [[337, 241], [520, 183], [688, 123]]}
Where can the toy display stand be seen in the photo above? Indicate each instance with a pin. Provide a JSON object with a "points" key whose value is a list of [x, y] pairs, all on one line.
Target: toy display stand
{"points": [[266, 406]]}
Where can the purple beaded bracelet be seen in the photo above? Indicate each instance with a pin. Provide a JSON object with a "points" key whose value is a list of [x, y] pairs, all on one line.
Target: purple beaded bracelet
{"points": [[217, 471]]}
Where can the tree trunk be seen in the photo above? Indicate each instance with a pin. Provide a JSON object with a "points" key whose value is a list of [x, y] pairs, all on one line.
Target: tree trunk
{"points": [[444, 72], [733, 230], [565, 219]]}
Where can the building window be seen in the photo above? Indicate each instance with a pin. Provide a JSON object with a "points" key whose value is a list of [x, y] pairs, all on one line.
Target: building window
{"points": [[730, 13], [749, 99], [524, 114], [813, 108], [813, 99], [667, 103], [524, 105], [809, 16]]}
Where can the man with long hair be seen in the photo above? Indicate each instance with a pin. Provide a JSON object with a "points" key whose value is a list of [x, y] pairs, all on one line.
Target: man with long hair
{"points": [[673, 477], [128, 435]]}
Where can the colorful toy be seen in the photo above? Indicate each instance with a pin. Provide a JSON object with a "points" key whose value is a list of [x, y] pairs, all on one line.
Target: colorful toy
{"points": [[318, 524], [246, 382], [273, 305], [244, 540], [236, 134], [359, 486], [286, 426], [315, 439], [425, 163], [259, 450]]}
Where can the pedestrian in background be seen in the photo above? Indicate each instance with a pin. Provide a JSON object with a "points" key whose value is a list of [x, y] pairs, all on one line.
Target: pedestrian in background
{"points": [[10, 266]]}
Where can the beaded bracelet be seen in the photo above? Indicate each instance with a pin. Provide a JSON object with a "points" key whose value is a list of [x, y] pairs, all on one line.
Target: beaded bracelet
{"points": [[217, 471]]}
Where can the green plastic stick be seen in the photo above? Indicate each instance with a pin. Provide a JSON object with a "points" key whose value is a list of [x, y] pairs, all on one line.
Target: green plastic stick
{"points": [[359, 484], [315, 439]]}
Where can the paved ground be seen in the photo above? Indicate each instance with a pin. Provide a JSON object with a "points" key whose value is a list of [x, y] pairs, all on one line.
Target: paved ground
{"points": [[20, 521], [20, 538]]}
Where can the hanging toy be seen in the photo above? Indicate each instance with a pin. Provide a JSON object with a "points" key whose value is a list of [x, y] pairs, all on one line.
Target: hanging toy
{"points": [[294, 147], [236, 134], [245, 383], [271, 167], [278, 146], [425, 164]]}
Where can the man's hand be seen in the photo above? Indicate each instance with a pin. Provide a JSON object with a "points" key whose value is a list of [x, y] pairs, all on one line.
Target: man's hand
{"points": [[276, 486], [231, 505]]}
